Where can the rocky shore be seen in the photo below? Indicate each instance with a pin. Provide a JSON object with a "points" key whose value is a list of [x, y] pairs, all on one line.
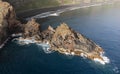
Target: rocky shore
{"points": [[62, 39]]}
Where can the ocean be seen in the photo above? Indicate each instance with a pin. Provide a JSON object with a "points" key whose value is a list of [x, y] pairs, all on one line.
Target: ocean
{"points": [[99, 23]]}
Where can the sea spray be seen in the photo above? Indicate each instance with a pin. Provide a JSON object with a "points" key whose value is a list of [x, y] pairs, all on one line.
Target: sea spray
{"points": [[45, 47], [27, 41], [105, 60]]}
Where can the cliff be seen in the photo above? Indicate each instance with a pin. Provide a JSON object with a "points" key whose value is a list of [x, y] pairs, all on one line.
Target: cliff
{"points": [[8, 22]]}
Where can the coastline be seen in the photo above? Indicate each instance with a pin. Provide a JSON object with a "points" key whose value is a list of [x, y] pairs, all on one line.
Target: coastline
{"points": [[33, 12], [30, 13]]}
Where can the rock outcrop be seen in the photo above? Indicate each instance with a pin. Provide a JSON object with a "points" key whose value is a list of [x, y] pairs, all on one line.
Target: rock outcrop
{"points": [[66, 40], [31, 28], [63, 39], [8, 22]]}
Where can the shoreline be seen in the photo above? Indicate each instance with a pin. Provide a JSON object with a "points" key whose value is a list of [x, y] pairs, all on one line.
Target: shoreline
{"points": [[25, 14], [33, 12]]}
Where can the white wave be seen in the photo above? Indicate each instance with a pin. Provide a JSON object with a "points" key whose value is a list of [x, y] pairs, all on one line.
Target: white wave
{"points": [[47, 14], [16, 35], [66, 53], [46, 47], [83, 55], [23, 41], [105, 60], [99, 60], [72, 53]]}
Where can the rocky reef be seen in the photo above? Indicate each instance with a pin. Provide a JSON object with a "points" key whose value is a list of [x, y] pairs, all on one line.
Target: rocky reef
{"points": [[62, 39]]}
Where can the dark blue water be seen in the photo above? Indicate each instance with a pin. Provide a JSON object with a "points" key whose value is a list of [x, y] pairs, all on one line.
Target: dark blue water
{"points": [[101, 24]]}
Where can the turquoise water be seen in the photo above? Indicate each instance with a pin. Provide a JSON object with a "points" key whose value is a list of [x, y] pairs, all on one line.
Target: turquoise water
{"points": [[101, 24]]}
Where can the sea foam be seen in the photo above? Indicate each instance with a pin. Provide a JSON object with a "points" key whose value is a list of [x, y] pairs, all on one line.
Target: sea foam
{"points": [[22, 41], [46, 14], [105, 60], [45, 46]]}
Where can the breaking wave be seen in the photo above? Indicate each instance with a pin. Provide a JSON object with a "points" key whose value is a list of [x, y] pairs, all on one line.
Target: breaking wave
{"points": [[47, 14], [105, 60], [22, 41], [45, 46]]}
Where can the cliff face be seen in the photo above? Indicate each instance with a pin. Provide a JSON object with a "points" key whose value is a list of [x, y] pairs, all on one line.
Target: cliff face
{"points": [[8, 22]]}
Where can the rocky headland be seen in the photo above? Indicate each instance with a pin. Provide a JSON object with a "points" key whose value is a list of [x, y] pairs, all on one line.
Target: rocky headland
{"points": [[62, 39], [8, 22]]}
